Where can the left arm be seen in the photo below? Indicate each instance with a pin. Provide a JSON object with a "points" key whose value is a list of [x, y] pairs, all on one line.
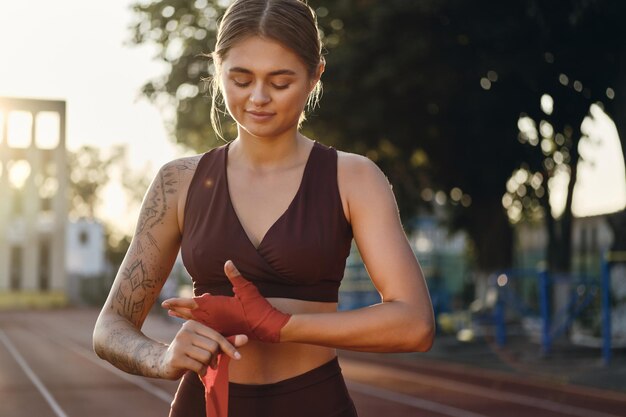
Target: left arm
{"points": [[403, 321]]}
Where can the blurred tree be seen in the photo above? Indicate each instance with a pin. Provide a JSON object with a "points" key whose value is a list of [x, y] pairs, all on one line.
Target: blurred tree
{"points": [[89, 173], [135, 185], [183, 30], [582, 46], [91, 170], [525, 55]]}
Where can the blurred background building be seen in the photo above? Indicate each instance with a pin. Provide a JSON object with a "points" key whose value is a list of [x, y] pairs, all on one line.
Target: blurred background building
{"points": [[33, 201]]}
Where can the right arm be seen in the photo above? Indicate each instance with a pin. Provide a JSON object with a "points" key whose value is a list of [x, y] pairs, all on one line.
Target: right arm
{"points": [[117, 335]]}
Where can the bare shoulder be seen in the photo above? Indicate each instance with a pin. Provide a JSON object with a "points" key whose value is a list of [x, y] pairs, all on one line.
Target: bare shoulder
{"points": [[180, 171], [184, 166], [358, 172], [359, 180], [176, 176]]}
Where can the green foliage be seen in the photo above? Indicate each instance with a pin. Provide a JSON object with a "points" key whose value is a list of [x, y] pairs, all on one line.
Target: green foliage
{"points": [[185, 31]]}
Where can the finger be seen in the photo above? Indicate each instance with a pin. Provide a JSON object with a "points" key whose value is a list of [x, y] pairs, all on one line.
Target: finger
{"points": [[186, 361], [185, 315], [188, 303], [224, 344], [240, 340], [182, 311], [204, 356], [193, 365], [234, 275], [174, 314]]}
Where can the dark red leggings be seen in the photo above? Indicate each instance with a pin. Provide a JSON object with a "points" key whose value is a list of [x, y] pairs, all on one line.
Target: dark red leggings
{"points": [[320, 392]]}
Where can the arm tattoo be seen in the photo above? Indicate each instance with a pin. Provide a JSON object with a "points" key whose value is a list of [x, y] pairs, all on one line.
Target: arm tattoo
{"points": [[187, 164], [133, 290], [155, 205], [137, 248], [152, 240], [138, 282], [130, 351]]}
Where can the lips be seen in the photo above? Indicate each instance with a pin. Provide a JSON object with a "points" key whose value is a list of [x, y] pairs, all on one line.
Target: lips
{"points": [[259, 113]]}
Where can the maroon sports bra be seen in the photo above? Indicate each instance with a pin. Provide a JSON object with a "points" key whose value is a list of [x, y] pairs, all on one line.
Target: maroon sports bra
{"points": [[302, 255]]}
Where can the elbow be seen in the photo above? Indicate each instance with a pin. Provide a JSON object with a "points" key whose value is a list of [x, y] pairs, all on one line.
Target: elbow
{"points": [[96, 342], [426, 337], [414, 332], [101, 336], [422, 335]]}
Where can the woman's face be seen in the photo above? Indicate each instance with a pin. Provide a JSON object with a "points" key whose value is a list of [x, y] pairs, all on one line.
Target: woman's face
{"points": [[265, 87]]}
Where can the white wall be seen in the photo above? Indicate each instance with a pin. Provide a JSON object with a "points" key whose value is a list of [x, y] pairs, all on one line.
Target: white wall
{"points": [[85, 248]]}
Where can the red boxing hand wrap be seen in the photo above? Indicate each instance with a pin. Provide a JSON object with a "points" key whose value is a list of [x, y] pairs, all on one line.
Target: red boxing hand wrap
{"points": [[223, 314], [249, 313], [264, 320], [216, 386]]}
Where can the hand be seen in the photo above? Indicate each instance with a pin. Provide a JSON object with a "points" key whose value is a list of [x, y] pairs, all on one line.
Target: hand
{"points": [[221, 313], [248, 312], [264, 320], [196, 347]]}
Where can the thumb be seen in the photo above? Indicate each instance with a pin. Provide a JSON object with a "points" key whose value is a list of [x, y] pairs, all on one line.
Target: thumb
{"points": [[234, 275], [240, 340]]}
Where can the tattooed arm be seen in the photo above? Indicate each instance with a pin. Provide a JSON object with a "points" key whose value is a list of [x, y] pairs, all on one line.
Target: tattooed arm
{"points": [[117, 335]]}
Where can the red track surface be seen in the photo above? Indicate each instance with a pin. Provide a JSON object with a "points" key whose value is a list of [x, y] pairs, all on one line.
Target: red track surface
{"points": [[47, 368]]}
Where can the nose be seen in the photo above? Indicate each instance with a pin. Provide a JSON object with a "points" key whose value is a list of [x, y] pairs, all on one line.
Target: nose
{"points": [[259, 96]]}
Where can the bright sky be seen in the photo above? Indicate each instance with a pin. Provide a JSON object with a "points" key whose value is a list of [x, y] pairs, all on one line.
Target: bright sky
{"points": [[74, 50], [601, 184]]}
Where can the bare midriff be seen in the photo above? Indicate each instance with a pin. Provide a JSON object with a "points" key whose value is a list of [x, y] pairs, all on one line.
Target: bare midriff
{"points": [[266, 363]]}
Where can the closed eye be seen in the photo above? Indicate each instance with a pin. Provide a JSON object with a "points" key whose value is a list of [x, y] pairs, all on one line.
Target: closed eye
{"points": [[240, 84], [280, 86]]}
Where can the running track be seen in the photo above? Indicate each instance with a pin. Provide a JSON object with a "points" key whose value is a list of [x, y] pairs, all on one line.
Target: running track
{"points": [[47, 368]]}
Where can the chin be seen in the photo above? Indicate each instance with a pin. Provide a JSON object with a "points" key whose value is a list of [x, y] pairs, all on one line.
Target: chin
{"points": [[264, 132]]}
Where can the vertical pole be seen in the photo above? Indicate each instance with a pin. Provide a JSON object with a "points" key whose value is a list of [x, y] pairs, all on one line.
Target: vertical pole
{"points": [[59, 279], [6, 202], [30, 215], [544, 295], [584, 271], [499, 319], [606, 309]]}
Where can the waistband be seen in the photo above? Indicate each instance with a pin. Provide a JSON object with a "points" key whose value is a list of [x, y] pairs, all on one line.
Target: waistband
{"points": [[315, 376]]}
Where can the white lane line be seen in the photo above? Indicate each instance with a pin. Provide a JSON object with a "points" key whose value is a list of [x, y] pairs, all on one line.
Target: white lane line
{"points": [[409, 400], [31, 375], [133, 379], [450, 385]]}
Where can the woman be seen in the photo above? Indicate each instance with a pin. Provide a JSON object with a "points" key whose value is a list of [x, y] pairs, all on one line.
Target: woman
{"points": [[282, 209]]}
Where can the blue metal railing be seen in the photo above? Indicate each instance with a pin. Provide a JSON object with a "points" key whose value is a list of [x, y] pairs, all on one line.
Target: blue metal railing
{"points": [[554, 324]]}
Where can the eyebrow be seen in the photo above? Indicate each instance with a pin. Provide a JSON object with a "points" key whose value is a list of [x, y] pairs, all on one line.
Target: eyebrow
{"points": [[277, 72]]}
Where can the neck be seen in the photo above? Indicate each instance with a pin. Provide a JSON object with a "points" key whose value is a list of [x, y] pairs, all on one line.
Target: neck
{"points": [[268, 153]]}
